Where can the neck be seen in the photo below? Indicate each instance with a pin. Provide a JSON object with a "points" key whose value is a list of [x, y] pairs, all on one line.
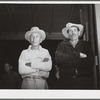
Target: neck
{"points": [[75, 40], [34, 47]]}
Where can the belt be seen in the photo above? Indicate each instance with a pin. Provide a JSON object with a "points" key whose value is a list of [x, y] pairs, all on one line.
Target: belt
{"points": [[35, 77]]}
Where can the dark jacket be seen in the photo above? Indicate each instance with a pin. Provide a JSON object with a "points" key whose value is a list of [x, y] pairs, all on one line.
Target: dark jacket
{"points": [[11, 80], [69, 62]]}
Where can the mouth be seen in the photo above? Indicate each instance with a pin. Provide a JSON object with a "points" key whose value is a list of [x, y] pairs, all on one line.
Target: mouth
{"points": [[34, 42], [73, 35]]}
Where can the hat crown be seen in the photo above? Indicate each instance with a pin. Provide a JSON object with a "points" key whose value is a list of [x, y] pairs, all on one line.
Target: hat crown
{"points": [[69, 25], [34, 28]]}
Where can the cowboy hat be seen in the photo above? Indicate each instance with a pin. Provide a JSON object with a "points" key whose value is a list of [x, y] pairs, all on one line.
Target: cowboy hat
{"points": [[35, 30], [68, 26]]}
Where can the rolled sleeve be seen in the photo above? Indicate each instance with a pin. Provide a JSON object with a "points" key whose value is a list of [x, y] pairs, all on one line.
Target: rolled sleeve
{"points": [[22, 68]]}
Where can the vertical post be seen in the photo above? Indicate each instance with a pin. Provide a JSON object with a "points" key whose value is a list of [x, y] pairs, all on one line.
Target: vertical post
{"points": [[97, 15]]}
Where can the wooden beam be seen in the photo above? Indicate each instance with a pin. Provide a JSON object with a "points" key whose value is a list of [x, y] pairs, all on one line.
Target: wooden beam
{"points": [[20, 36]]}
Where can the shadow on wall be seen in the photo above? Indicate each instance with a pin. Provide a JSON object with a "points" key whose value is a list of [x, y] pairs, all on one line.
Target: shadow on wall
{"points": [[11, 49]]}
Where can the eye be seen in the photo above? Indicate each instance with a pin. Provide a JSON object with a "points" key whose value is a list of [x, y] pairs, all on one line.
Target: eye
{"points": [[70, 30], [32, 37], [75, 29]]}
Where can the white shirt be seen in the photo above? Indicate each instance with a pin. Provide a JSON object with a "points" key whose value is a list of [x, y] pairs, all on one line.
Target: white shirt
{"points": [[36, 58]]}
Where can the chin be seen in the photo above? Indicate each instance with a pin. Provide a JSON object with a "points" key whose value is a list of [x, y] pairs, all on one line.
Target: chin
{"points": [[74, 38], [35, 44]]}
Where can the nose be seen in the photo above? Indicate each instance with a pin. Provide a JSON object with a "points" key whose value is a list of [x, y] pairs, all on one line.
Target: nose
{"points": [[73, 32], [33, 37]]}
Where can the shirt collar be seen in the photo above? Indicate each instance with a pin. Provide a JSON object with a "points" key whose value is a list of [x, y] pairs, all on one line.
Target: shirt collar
{"points": [[29, 48]]}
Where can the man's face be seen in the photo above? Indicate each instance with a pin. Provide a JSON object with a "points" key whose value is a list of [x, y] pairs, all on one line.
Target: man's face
{"points": [[73, 33], [35, 39], [7, 67]]}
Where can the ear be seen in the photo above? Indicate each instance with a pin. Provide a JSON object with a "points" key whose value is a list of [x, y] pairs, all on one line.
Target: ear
{"points": [[30, 39], [78, 33], [40, 40]]}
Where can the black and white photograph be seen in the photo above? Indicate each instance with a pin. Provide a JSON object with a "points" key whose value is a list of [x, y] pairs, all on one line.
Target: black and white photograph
{"points": [[49, 46]]}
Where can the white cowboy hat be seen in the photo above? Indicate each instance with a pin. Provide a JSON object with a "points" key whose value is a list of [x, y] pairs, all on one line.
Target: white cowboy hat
{"points": [[35, 30], [68, 26]]}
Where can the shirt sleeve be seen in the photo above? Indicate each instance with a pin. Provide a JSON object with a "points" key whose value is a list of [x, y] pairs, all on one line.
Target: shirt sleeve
{"points": [[23, 69], [44, 66]]}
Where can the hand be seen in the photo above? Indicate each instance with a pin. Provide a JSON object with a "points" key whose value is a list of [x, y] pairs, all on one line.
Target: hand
{"points": [[82, 55], [57, 72], [44, 74], [57, 75], [35, 71], [45, 59]]}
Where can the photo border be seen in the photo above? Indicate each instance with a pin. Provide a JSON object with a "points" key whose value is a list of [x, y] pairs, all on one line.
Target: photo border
{"points": [[49, 94]]}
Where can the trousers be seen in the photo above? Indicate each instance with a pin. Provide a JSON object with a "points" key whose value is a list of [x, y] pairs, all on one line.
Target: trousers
{"points": [[33, 82], [75, 83]]}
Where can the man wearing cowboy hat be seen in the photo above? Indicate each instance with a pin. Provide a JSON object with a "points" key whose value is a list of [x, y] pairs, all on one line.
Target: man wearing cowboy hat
{"points": [[74, 59], [35, 62]]}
